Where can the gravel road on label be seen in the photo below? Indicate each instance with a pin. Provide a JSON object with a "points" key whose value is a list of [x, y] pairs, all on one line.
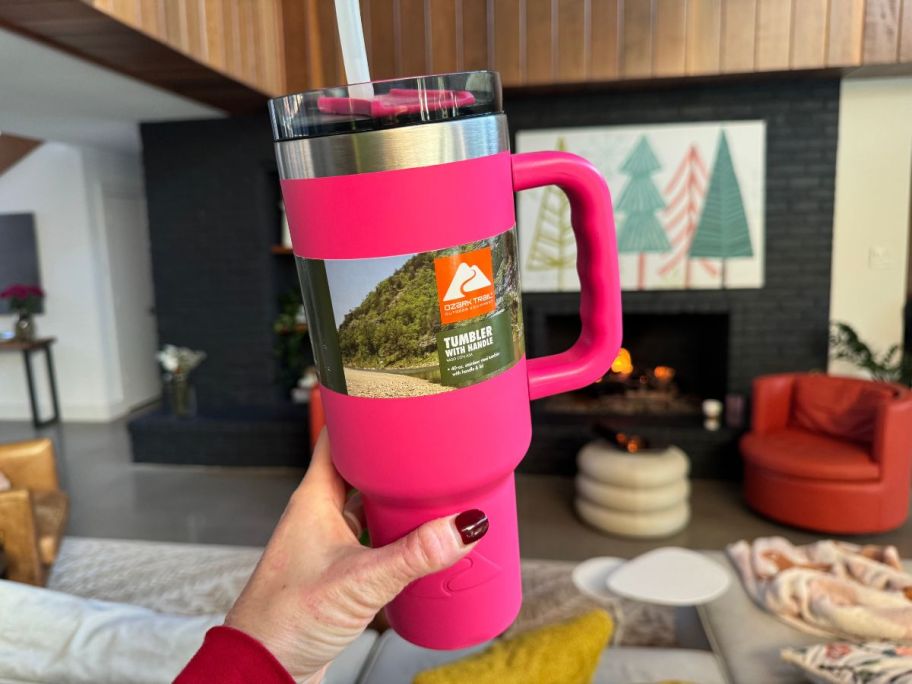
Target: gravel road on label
{"points": [[376, 384]]}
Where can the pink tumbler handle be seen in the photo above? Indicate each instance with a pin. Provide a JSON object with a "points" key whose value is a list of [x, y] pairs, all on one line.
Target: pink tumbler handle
{"points": [[596, 262]]}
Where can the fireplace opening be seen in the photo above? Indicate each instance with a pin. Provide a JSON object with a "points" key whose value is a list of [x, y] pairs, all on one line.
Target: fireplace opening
{"points": [[668, 365]]}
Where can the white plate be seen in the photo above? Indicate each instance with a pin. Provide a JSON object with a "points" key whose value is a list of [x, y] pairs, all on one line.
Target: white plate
{"points": [[669, 576], [591, 576]]}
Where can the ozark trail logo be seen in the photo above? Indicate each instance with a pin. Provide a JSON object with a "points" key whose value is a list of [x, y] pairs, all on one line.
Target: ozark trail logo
{"points": [[467, 279], [465, 285]]}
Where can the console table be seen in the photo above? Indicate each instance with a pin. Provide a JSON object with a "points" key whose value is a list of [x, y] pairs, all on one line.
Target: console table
{"points": [[27, 349]]}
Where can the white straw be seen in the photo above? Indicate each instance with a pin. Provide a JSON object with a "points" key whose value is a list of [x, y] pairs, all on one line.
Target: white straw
{"points": [[354, 52]]}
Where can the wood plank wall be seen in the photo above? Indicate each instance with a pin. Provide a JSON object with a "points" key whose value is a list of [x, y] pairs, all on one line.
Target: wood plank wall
{"points": [[242, 39], [573, 41], [277, 46]]}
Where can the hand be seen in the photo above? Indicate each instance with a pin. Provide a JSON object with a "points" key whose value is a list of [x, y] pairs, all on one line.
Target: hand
{"points": [[316, 588]]}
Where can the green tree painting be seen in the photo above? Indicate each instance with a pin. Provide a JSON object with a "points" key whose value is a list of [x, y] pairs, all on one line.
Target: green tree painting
{"points": [[722, 232], [553, 247], [641, 232]]}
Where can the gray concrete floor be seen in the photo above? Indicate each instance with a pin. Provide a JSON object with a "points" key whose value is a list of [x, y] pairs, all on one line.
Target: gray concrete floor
{"points": [[549, 528], [113, 497]]}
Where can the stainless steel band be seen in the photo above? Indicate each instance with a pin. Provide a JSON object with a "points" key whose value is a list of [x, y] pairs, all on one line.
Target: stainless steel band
{"points": [[394, 148]]}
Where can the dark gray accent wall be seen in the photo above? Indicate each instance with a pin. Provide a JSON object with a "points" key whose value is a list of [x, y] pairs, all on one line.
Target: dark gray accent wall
{"points": [[783, 326], [213, 199], [212, 193]]}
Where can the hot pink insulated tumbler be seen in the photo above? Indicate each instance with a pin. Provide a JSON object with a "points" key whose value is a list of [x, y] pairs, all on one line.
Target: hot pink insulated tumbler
{"points": [[399, 197]]}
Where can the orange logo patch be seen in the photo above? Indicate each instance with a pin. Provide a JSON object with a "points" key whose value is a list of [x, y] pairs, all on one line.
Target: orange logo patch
{"points": [[465, 285]]}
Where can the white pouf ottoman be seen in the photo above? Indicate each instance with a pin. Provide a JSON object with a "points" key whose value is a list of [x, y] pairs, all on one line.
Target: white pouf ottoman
{"points": [[632, 499], [633, 495]]}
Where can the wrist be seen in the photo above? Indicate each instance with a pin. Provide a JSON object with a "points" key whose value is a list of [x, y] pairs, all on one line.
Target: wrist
{"points": [[274, 649]]}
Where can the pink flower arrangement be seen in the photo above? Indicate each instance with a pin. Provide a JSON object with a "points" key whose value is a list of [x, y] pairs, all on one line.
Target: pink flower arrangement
{"points": [[24, 299]]}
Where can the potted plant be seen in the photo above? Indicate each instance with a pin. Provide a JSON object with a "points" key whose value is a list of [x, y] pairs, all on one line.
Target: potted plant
{"points": [[25, 300], [893, 365], [290, 329], [177, 364]]}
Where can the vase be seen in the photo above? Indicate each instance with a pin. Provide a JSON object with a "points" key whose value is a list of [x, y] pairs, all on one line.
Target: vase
{"points": [[24, 330], [181, 396]]}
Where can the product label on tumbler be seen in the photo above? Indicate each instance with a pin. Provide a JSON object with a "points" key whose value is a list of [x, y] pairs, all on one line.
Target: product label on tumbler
{"points": [[474, 351], [465, 285], [416, 324]]}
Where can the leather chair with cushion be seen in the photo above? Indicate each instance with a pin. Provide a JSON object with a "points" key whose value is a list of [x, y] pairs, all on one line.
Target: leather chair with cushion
{"points": [[33, 513], [828, 453]]}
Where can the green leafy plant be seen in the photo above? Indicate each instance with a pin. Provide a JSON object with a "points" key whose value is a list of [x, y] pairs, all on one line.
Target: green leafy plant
{"points": [[893, 365], [394, 325], [290, 330]]}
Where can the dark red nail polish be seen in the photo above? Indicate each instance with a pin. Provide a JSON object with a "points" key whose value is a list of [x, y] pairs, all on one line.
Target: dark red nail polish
{"points": [[472, 525]]}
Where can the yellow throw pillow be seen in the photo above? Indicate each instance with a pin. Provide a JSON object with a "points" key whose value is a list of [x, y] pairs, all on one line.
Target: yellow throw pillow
{"points": [[565, 653]]}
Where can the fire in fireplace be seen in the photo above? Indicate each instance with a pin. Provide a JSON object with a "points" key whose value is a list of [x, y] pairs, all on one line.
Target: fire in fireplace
{"points": [[669, 364]]}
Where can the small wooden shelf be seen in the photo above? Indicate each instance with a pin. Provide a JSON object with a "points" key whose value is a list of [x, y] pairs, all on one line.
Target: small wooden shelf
{"points": [[281, 249], [299, 328]]}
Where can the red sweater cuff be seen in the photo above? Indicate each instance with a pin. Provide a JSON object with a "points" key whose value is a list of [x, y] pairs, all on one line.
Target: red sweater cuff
{"points": [[229, 656]]}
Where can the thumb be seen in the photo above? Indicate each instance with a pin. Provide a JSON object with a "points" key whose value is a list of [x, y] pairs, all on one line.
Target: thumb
{"points": [[434, 546]]}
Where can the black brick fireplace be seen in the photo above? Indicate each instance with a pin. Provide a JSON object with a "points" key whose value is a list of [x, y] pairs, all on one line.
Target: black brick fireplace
{"points": [[212, 191], [779, 327], [695, 345], [214, 219]]}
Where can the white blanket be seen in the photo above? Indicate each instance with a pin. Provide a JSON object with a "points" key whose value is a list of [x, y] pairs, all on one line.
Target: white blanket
{"points": [[46, 636], [829, 588]]}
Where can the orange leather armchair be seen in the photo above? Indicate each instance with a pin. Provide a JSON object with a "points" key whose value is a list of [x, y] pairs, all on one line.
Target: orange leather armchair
{"points": [[829, 453], [33, 513]]}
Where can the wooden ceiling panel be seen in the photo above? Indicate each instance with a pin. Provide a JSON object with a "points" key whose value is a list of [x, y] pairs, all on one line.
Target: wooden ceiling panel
{"points": [[13, 148], [232, 53], [84, 31]]}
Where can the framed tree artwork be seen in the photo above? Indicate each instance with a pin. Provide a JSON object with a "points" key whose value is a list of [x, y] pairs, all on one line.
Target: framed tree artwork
{"points": [[553, 248], [640, 231], [688, 202], [722, 232]]}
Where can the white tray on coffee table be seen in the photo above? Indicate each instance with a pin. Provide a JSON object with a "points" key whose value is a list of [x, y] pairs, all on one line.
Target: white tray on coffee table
{"points": [[669, 576]]}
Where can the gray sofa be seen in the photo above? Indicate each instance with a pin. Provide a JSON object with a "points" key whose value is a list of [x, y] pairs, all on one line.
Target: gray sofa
{"points": [[728, 640]]}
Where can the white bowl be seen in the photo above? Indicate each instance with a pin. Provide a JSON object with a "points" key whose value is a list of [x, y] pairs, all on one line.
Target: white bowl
{"points": [[591, 576], [669, 576]]}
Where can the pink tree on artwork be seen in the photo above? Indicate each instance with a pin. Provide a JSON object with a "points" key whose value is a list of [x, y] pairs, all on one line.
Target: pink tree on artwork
{"points": [[685, 191]]}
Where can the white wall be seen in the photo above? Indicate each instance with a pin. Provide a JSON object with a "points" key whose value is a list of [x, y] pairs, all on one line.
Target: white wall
{"points": [[86, 190], [872, 209], [49, 95], [117, 205], [66, 188]]}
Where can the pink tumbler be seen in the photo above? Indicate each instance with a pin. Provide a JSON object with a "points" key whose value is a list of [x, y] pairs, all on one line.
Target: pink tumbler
{"points": [[399, 197]]}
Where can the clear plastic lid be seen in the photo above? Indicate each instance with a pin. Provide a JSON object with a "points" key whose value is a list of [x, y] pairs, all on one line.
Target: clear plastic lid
{"points": [[385, 104]]}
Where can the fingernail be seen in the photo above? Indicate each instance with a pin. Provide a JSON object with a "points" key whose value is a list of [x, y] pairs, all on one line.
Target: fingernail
{"points": [[472, 525]]}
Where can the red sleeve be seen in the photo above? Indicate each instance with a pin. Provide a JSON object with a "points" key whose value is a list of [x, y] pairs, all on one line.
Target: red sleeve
{"points": [[229, 656]]}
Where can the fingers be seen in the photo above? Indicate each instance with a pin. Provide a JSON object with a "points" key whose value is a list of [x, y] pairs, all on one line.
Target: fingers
{"points": [[432, 547], [321, 474], [353, 512]]}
